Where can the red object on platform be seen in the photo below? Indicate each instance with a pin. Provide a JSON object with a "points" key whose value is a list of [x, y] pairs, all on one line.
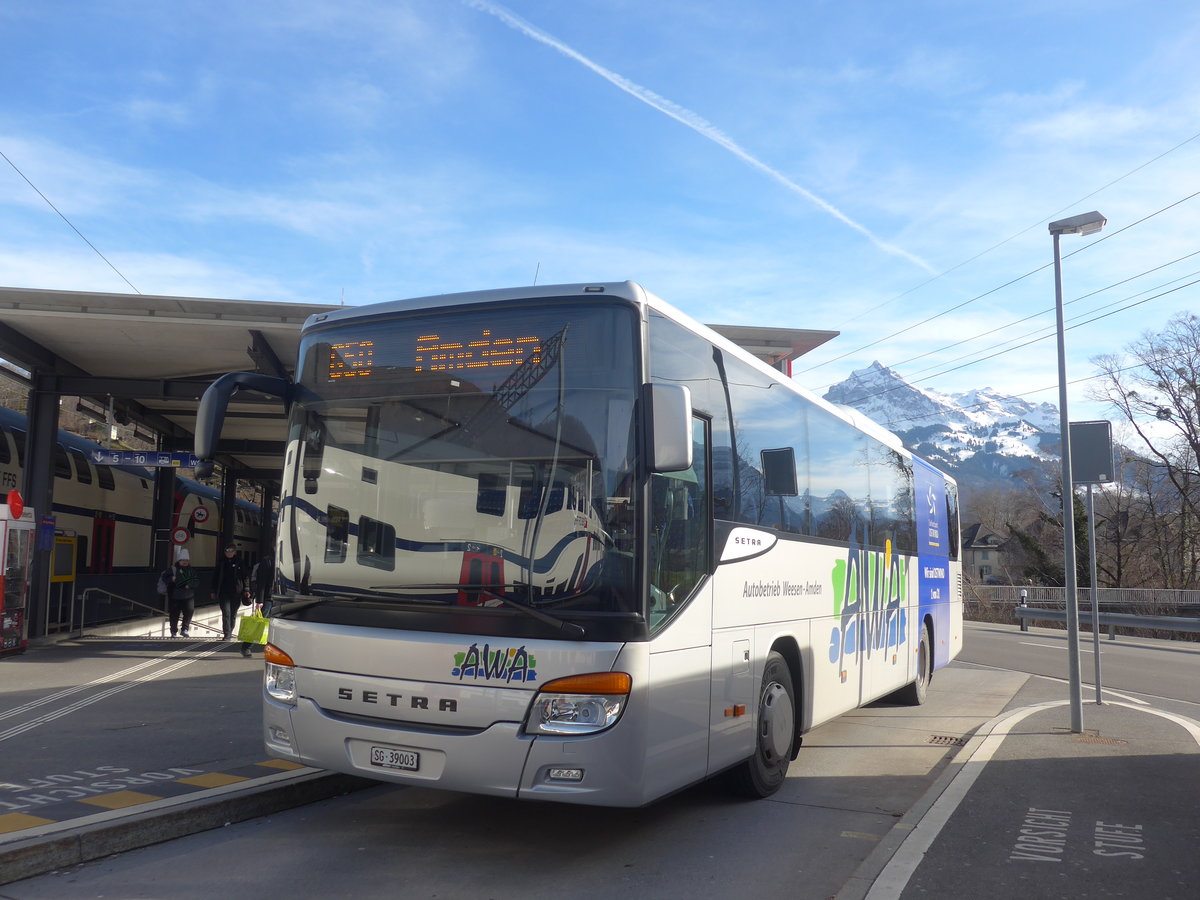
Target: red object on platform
{"points": [[16, 504]]}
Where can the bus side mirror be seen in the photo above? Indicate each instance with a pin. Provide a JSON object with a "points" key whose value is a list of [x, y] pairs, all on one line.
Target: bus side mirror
{"points": [[669, 418], [211, 413]]}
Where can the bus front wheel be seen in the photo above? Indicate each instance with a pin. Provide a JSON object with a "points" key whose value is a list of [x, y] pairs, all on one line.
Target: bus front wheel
{"points": [[762, 774]]}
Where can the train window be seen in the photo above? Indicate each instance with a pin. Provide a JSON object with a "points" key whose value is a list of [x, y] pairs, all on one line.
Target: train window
{"points": [[104, 475], [5, 452], [19, 439], [337, 534], [83, 470], [62, 465], [376, 543]]}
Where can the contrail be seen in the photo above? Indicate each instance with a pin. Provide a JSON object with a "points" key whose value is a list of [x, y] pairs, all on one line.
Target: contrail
{"points": [[692, 120]]}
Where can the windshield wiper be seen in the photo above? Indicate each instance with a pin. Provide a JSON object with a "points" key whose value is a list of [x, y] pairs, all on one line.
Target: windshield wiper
{"points": [[569, 629]]}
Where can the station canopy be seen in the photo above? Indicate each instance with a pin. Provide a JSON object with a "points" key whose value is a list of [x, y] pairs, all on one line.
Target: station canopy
{"points": [[150, 358]]}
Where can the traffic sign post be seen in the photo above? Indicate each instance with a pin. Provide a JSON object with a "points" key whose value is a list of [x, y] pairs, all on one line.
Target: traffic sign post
{"points": [[1091, 464]]}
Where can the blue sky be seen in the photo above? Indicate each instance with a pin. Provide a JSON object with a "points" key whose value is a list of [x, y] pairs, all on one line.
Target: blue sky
{"points": [[882, 169]]}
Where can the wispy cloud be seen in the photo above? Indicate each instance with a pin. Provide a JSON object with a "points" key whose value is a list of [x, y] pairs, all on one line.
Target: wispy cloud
{"points": [[693, 121]]}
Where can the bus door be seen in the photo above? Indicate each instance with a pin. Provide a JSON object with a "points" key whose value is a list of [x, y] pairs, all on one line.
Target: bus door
{"points": [[681, 600]]}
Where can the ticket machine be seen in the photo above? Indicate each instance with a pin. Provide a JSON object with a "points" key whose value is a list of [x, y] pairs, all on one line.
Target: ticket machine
{"points": [[17, 530]]}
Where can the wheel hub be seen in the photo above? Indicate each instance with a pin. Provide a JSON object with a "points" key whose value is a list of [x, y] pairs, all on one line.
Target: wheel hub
{"points": [[777, 721]]}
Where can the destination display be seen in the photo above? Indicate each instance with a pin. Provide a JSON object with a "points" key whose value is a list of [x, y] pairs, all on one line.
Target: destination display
{"points": [[473, 349]]}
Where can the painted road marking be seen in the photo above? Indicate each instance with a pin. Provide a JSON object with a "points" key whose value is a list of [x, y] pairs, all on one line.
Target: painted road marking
{"points": [[10, 822], [120, 799], [71, 799], [896, 874], [103, 695]]}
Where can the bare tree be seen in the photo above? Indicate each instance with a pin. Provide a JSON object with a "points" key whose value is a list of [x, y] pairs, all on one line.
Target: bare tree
{"points": [[1158, 394]]}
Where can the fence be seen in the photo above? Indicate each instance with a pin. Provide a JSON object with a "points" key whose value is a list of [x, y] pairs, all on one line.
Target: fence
{"points": [[999, 603]]}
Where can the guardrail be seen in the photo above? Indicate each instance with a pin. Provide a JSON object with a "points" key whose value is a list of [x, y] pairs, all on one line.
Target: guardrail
{"points": [[1026, 614], [196, 623]]}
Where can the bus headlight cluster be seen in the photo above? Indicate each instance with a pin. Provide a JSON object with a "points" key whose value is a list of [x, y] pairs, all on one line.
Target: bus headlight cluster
{"points": [[579, 704], [279, 676]]}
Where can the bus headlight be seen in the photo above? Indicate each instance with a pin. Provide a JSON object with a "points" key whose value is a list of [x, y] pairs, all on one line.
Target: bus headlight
{"points": [[279, 676], [579, 704]]}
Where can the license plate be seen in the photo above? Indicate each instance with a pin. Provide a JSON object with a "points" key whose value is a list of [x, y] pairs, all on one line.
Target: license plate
{"points": [[390, 758]]}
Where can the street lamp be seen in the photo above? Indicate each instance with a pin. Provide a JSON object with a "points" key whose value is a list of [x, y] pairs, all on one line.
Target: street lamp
{"points": [[1086, 223]]}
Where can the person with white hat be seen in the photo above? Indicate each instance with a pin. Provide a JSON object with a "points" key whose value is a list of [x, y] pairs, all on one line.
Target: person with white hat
{"points": [[181, 580]]}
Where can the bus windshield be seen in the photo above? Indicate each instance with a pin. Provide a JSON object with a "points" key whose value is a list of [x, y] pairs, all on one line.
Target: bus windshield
{"points": [[480, 457]]}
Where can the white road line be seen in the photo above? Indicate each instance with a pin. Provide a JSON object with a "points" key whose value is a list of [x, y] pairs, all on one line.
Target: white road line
{"points": [[896, 874], [1083, 684], [51, 716], [1058, 647], [67, 692]]}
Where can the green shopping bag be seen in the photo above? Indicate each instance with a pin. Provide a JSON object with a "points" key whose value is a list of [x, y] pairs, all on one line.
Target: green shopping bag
{"points": [[252, 629]]}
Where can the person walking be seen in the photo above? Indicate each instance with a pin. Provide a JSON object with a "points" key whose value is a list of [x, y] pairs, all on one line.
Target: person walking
{"points": [[181, 581], [229, 589], [262, 585]]}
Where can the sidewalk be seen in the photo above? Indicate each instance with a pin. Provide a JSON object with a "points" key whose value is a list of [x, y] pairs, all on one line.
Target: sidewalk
{"points": [[1029, 808]]}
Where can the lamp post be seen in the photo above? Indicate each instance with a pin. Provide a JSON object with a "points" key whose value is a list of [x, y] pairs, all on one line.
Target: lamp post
{"points": [[1086, 223]]}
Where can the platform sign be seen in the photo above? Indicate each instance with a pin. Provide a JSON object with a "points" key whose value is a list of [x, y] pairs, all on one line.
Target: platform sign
{"points": [[152, 458]]}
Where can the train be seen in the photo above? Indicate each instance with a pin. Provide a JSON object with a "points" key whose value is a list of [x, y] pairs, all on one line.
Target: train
{"points": [[109, 509]]}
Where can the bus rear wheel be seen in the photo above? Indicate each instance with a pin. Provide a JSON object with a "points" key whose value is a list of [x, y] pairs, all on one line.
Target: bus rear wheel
{"points": [[762, 774], [914, 694]]}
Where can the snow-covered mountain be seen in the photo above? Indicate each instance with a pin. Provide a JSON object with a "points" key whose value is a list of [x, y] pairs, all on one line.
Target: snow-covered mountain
{"points": [[982, 437]]}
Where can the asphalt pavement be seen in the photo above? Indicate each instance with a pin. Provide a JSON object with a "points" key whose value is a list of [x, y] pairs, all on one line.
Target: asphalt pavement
{"points": [[90, 767], [1026, 808]]}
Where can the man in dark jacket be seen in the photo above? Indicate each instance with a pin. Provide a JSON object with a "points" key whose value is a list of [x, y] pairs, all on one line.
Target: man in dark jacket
{"points": [[181, 582], [229, 589]]}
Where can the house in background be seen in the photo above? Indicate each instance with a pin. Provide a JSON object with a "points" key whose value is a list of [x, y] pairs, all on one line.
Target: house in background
{"points": [[983, 556]]}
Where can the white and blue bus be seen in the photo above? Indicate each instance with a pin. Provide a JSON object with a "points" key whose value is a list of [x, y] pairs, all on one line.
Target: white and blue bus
{"points": [[565, 543]]}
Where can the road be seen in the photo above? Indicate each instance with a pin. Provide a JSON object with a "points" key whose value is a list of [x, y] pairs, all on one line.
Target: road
{"points": [[1156, 669], [855, 779]]}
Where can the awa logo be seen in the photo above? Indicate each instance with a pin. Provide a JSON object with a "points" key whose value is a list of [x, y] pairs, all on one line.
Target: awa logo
{"points": [[869, 590], [507, 664]]}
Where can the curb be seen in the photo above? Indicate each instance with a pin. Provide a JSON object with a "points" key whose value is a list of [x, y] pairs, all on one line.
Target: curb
{"points": [[859, 884], [60, 849]]}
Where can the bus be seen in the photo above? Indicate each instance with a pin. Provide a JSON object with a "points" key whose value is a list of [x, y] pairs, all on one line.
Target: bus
{"points": [[565, 543]]}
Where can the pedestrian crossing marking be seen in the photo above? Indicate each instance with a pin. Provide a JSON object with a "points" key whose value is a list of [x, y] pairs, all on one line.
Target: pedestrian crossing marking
{"points": [[211, 780], [120, 799], [10, 822]]}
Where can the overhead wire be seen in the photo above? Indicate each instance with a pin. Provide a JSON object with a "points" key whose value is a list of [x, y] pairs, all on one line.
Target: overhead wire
{"points": [[1035, 315], [1077, 324], [69, 222], [1013, 237], [971, 300]]}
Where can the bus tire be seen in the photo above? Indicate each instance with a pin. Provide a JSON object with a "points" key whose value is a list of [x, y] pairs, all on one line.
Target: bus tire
{"points": [[762, 774], [914, 694]]}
